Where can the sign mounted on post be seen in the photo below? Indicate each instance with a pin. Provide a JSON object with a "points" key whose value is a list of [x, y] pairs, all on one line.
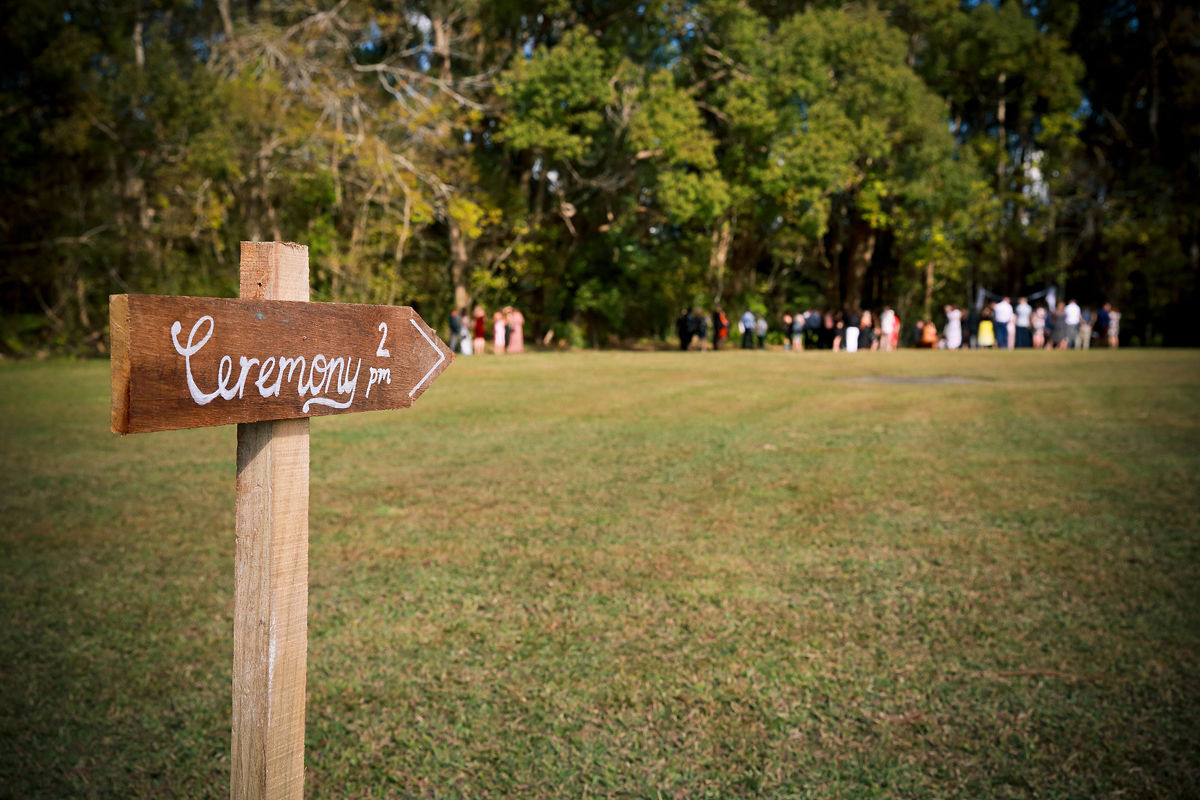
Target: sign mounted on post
{"points": [[187, 362], [266, 361]]}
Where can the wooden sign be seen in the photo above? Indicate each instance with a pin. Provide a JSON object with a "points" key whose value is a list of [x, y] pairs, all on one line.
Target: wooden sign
{"points": [[187, 362], [267, 361]]}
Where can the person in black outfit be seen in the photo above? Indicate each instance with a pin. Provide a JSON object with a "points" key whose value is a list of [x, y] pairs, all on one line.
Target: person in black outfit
{"points": [[812, 328], [720, 325], [683, 327], [456, 330], [700, 328], [972, 337], [827, 332]]}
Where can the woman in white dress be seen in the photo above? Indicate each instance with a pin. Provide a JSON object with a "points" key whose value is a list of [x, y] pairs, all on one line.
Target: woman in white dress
{"points": [[953, 329]]}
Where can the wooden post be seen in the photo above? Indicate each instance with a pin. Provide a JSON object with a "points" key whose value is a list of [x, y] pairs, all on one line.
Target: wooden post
{"points": [[270, 614]]}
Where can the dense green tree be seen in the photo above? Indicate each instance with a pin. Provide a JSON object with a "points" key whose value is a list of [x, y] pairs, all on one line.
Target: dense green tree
{"points": [[1135, 219], [600, 164]]}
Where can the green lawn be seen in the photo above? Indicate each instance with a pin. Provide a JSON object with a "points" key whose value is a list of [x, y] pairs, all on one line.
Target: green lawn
{"points": [[637, 575]]}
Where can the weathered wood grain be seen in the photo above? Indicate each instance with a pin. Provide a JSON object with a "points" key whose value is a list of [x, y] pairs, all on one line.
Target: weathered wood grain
{"points": [[270, 624], [118, 323], [186, 362], [270, 636]]}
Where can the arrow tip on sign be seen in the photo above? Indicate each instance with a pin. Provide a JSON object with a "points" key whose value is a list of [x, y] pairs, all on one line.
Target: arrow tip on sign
{"points": [[438, 356]]}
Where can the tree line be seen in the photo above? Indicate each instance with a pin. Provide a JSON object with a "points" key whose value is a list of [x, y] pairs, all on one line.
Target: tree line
{"points": [[601, 164]]}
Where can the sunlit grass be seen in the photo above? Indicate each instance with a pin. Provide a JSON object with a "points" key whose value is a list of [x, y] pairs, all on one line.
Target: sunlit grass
{"points": [[686, 575]]}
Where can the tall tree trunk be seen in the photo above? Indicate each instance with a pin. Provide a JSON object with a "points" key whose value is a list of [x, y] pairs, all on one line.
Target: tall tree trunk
{"points": [[831, 249], [928, 307], [718, 257], [835, 287], [458, 267], [861, 249], [459, 256], [1002, 158]]}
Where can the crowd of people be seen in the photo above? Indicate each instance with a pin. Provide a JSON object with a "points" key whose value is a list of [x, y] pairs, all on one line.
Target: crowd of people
{"points": [[999, 325], [469, 336], [1003, 326]]}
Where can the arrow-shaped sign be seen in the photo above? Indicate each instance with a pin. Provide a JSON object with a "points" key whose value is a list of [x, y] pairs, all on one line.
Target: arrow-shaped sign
{"points": [[187, 362]]}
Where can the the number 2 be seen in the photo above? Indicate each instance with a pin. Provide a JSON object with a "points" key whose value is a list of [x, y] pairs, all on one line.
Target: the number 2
{"points": [[381, 351]]}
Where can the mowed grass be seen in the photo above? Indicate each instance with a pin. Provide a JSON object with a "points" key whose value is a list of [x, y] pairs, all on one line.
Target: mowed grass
{"points": [[637, 575]]}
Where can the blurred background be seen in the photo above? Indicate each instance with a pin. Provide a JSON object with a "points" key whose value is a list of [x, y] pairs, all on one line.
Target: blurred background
{"points": [[601, 164]]}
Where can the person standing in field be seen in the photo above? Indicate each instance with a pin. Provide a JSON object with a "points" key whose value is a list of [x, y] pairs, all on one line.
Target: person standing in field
{"points": [[929, 336], [839, 332], [825, 333], [700, 329], [850, 330], [1058, 327], [760, 329], [498, 333], [1039, 327], [953, 329], [683, 329], [866, 332], [1024, 313], [1004, 324], [456, 330], [516, 330], [1114, 328], [1102, 322], [720, 327], [797, 332], [1084, 340], [810, 324], [480, 330], [747, 324], [971, 334], [987, 329], [1072, 316], [887, 326]]}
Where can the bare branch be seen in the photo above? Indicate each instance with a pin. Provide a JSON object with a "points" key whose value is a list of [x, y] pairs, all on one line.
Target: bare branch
{"points": [[84, 238]]}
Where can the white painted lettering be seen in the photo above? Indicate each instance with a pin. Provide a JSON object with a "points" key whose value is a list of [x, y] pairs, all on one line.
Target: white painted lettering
{"points": [[382, 375], [313, 379], [318, 365], [264, 372], [241, 384], [192, 348]]}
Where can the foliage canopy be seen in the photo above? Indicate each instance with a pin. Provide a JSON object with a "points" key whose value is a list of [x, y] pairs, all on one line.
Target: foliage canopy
{"points": [[601, 165]]}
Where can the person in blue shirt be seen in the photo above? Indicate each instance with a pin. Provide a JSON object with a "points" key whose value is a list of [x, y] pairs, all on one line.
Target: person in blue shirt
{"points": [[749, 326]]}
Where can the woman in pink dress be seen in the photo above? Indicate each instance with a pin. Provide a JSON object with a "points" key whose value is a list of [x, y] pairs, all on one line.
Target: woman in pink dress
{"points": [[516, 330], [498, 333]]}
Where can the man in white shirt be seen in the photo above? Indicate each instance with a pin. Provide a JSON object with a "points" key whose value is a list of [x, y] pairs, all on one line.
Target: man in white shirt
{"points": [[1072, 316], [1006, 330], [1024, 313]]}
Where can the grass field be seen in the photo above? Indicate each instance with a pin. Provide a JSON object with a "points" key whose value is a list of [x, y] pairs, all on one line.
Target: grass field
{"points": [[638, 575]]}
